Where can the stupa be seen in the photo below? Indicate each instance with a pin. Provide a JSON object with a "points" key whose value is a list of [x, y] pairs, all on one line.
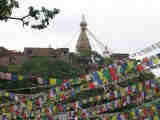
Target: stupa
{"points": [[83, 44]]}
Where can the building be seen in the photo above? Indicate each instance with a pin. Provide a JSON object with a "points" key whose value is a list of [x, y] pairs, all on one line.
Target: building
{"points": [[10, 57], [83, 44], [54, 54], [50, 52]]}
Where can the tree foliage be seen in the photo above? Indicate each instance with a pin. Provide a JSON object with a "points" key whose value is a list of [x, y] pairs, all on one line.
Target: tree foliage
{"points": [[47, 66], [35, 18]]}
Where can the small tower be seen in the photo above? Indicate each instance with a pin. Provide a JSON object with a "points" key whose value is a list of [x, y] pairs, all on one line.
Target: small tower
{"points": [[106, 52], [49, 46], [83, 41]]}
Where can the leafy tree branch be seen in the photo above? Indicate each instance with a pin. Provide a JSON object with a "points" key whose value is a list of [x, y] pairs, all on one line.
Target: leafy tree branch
{"points": [[35, 18]]}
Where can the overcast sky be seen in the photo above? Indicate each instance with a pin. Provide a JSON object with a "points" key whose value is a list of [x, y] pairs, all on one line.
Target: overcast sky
{"points": [[124, 25]]}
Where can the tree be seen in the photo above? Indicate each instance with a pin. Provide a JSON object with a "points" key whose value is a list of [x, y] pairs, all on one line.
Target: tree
{"points": [[45, 65], [40, 18]]}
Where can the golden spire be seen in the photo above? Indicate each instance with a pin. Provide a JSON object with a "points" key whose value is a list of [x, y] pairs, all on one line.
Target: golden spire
{"points": [[83, 42], [83, 23]]}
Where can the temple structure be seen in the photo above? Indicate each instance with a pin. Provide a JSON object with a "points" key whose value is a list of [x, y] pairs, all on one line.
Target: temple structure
{"points": [[83, 41]]}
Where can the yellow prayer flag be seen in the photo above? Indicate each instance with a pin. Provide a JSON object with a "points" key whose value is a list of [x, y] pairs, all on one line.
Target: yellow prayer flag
{"points": [[29, 105], [9, 116], [84, 101], [140, 86], [154, 108], [81, 88], [133, 114], [43, 110], [3, 110], [91, 99], [54, 108], [122, 91], [20, 77], [130, 66], [52, 81], [114, 117], [156, 61], [156, 117], [101, 76], [6, 94]]}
